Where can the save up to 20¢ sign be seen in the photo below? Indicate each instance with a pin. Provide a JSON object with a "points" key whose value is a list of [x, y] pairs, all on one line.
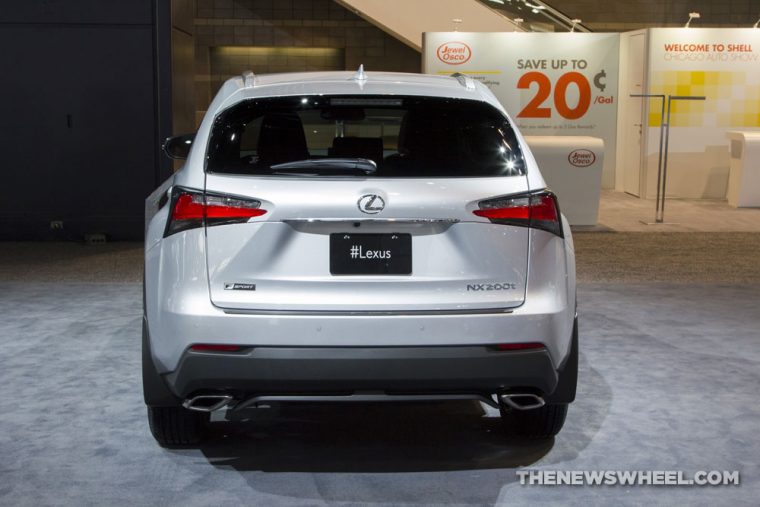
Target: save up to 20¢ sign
{"points": [[550, 83]]}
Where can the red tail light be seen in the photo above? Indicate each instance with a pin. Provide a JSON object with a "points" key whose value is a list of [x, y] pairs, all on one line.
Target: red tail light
{"points": [[191, 209], [214, 347], [539, 210]]}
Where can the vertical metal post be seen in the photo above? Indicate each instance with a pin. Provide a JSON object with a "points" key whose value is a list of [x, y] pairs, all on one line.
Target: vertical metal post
{"points": [[661, 192], [660, 215], [661, 210]]}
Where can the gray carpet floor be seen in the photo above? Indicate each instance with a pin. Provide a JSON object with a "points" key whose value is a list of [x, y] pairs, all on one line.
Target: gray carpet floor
{"points": [[669, 375]]}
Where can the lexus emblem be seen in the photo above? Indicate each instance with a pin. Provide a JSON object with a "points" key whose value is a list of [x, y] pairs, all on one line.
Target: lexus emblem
{"points": [[371, 204]]}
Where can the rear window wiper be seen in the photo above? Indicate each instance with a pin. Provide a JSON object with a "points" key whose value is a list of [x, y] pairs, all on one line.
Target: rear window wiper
{"points": [[327, 166]]}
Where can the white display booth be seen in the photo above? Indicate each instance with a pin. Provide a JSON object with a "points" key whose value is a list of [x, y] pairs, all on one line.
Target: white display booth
{"points": [[720, 64], [572, 168]]}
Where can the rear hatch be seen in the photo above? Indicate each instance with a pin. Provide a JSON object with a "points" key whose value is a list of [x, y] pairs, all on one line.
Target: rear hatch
{"points": [[366, 205]]}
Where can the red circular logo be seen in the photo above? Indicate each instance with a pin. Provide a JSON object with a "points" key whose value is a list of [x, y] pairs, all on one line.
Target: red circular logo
{"points": [[454, 53], [581, 158]]}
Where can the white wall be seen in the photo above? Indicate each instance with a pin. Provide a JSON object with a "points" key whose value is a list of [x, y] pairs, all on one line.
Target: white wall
{"points": [[698, 61]]}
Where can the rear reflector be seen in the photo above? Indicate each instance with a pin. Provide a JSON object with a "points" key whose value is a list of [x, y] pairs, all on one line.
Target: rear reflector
{"points": [[214, 347], [537, 210], [192, 208], [519, 346]]}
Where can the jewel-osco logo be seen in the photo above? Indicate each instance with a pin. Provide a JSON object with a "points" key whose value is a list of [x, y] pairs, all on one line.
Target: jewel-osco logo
{"points": [[581, 158], [454, 53]]}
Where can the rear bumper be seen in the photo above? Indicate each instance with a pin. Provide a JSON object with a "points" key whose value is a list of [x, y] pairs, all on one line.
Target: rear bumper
{"points": [[348, 370], [302, 352], [180, 313]]}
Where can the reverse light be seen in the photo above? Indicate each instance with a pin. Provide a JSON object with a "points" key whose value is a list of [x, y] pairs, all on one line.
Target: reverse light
{"points": [[191, 209], [538, 210]]}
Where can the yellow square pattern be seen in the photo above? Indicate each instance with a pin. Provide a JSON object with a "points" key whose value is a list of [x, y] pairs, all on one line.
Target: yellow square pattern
{"points": [[731, 101]]}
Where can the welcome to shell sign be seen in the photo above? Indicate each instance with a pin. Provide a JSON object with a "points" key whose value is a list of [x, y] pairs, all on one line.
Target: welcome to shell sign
{"points": [[561, 84], [722, 65]]}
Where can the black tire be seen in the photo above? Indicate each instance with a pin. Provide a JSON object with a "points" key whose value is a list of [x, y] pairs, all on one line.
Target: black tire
{"points": [[175, 426], [544, 422]]}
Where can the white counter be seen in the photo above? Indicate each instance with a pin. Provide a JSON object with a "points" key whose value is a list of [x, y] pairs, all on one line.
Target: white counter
{"points": [[572, 168], [744, 174]]}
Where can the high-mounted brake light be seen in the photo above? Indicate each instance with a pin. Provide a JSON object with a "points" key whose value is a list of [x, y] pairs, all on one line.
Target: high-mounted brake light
{"points": [[538, 210], [191, 209]]}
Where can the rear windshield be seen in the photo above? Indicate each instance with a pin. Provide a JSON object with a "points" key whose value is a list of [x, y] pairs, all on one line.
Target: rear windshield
{"points": [[395, 136]]}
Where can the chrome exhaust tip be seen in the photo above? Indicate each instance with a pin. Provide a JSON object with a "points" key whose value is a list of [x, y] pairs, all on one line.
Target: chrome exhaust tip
{"points": [[522, 401], [207, 402]]}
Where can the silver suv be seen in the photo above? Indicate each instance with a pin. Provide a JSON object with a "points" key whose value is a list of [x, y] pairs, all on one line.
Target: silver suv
{"points": [[358, 236]]}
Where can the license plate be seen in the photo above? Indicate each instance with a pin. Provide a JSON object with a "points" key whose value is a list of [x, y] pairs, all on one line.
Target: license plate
{"points": [[370, 254]]}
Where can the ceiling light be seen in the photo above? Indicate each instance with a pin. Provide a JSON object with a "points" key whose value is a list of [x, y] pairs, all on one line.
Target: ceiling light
{"points": [[574, 22], [692, 15], [500, 2]]}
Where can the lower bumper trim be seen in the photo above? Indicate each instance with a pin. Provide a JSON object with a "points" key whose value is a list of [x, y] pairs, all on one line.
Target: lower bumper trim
{"points": [[341, 371], [363, 398]]}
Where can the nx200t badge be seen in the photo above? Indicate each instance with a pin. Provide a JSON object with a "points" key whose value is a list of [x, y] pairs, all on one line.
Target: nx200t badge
{"points": [[371, 204], [491, 286]]}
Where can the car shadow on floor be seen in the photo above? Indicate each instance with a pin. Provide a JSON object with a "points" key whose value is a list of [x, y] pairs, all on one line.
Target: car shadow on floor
{"points": [[371, 437], [398, 437]]}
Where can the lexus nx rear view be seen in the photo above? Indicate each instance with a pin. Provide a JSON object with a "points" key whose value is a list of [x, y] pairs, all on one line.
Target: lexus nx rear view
{"points": [[339, 237]]}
